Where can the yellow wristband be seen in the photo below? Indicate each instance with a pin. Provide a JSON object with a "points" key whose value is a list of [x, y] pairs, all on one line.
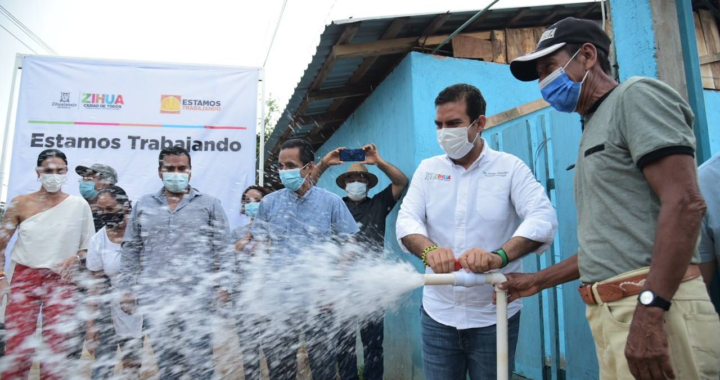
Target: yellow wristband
{"points": [[426, 251]]}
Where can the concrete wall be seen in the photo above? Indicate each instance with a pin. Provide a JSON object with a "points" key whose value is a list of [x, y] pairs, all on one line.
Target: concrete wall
{"points": [[712, 107], [399, 117], [634, 40]]}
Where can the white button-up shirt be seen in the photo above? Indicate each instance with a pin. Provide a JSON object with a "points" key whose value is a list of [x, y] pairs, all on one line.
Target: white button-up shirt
{"points": [[495, 199]]}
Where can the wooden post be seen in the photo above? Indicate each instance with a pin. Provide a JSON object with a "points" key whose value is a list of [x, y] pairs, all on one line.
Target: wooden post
{"points": [[670, 65]]}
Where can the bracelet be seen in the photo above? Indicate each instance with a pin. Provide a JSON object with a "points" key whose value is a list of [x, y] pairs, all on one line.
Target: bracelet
{"points": [[503, 255], [426, 251], [79, 259]]}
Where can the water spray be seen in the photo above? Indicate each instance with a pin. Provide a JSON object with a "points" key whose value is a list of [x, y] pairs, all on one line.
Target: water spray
{"points": [[467, 279]]}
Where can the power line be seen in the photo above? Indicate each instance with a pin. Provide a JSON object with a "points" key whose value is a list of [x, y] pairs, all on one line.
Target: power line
{"points": [[16, 37], [27, 30], [277, 26]]}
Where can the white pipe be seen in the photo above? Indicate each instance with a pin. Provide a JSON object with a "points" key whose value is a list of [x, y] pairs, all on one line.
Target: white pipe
{"points": [[466, 279]]}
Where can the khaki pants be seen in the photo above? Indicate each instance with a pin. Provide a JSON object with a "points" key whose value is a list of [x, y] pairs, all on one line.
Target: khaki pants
{"points": [[692, 325]]}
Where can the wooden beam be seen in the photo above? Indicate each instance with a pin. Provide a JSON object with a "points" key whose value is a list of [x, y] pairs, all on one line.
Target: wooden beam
{"points": [[705, 70], [586, 10], [437, 40], [392, 31], [498, 45], [517, 17], [478, 21], [470, 47], [338, 93], [435, 24], [548, 19], [515, 113], [375, 48], [393, 46], [345, 37], [321, 118], [712, 42], [710, 58]]}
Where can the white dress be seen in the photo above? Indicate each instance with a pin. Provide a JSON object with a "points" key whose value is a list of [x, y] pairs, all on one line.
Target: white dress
{"points": [[104, 255]]}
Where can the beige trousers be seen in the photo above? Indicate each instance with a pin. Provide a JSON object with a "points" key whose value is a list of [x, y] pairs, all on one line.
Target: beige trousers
{"points": [[693, 329]]}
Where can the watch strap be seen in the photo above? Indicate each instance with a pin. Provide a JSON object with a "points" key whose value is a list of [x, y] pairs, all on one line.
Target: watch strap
{"points": [[657, 302]]}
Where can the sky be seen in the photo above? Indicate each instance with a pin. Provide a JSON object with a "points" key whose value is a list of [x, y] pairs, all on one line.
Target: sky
{"points": [[219, 32]]}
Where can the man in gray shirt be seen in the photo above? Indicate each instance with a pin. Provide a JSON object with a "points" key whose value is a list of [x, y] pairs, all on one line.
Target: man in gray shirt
{"points": [[298, 223], [639, 212], [173, 245]]}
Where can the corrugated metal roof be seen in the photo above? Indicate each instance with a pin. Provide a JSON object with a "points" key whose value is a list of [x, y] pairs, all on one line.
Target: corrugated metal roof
{"points": [[372, 30]]}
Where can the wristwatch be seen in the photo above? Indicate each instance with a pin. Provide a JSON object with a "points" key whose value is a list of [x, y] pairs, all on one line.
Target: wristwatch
{"points": [[648, 298]]}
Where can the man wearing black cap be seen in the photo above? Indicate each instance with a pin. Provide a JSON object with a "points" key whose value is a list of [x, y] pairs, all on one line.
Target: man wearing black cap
{"points": [[639, 212], [94, 179], [370, 215]]}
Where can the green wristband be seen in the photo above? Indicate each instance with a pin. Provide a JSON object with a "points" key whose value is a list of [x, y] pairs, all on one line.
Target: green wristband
{"points": [[426, 251], [503, 255]]}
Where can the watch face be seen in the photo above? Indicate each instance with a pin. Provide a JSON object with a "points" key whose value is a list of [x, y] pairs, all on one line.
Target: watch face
{"points": [[646, 297]]}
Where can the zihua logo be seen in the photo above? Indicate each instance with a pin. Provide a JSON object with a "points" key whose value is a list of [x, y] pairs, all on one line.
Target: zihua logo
{"points": [[93, 101], [64, 102]]}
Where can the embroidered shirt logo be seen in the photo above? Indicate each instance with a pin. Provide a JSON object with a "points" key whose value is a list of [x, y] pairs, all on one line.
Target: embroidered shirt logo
{"points": [[440, 177], [495, 174]]}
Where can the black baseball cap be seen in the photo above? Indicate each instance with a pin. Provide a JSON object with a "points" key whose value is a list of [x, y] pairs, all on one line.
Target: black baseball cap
{"points": [[570, 30]]}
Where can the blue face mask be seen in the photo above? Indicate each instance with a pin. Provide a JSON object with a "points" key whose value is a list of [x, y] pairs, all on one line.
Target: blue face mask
{"points": [[560, 91], [292, 179], [251, 209], [176, 182], [87, 190]]}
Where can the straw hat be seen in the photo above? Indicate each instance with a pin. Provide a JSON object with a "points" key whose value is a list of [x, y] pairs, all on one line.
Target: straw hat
{"points": [[359, 169]]}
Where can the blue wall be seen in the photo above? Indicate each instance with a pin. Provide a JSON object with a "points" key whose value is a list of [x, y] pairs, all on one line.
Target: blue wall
{"points": [[712, 107], [386, 118], [634, 39], [399, 117]]}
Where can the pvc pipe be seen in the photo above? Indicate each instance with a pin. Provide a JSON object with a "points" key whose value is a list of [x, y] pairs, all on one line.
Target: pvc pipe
{"points": [[467, 279]]}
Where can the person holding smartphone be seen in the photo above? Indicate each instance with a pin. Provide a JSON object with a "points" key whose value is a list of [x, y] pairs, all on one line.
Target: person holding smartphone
{"points": [[370, 214]]}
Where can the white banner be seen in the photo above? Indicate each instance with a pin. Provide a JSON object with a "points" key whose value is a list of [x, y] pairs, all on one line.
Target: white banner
{"points": [[122, 114]]}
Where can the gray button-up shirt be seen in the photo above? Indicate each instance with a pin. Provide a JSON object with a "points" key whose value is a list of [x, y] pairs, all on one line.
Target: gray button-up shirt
{"points": [[177, 252], [291, 224]]}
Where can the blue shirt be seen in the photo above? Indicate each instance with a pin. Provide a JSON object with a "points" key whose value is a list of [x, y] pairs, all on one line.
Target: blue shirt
{"points": [[290, 223], [709, 177], [177, 252]]}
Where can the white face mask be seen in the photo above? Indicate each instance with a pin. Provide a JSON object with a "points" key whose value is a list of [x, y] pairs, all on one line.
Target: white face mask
{"points": [[454, 141], [52, 182], [356, 191]]}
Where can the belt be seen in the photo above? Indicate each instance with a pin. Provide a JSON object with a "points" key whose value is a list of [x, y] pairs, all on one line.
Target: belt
{"points": [[626, 287]]}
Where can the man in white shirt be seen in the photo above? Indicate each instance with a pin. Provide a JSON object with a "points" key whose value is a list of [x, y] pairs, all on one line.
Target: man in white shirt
{"points": [[483, 208]]}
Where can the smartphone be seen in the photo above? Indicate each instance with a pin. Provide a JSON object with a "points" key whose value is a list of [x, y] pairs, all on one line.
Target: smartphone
{"points": [[352, 155]]}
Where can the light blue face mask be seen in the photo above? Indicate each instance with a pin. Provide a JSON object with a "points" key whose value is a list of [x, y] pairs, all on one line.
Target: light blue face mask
{"points": [[87, 190], [176, 182], [560, 91], [292, 179], [251, 209]]}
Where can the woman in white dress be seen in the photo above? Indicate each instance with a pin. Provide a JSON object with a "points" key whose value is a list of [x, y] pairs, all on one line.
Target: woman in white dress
{"points": [[106, 332]]}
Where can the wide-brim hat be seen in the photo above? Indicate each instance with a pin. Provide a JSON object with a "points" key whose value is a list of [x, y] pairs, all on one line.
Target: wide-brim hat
{"points": [[357, 169]]}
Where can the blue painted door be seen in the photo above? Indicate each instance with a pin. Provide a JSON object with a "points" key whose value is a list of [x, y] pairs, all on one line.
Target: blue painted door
{"points": [[555, 340]]}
